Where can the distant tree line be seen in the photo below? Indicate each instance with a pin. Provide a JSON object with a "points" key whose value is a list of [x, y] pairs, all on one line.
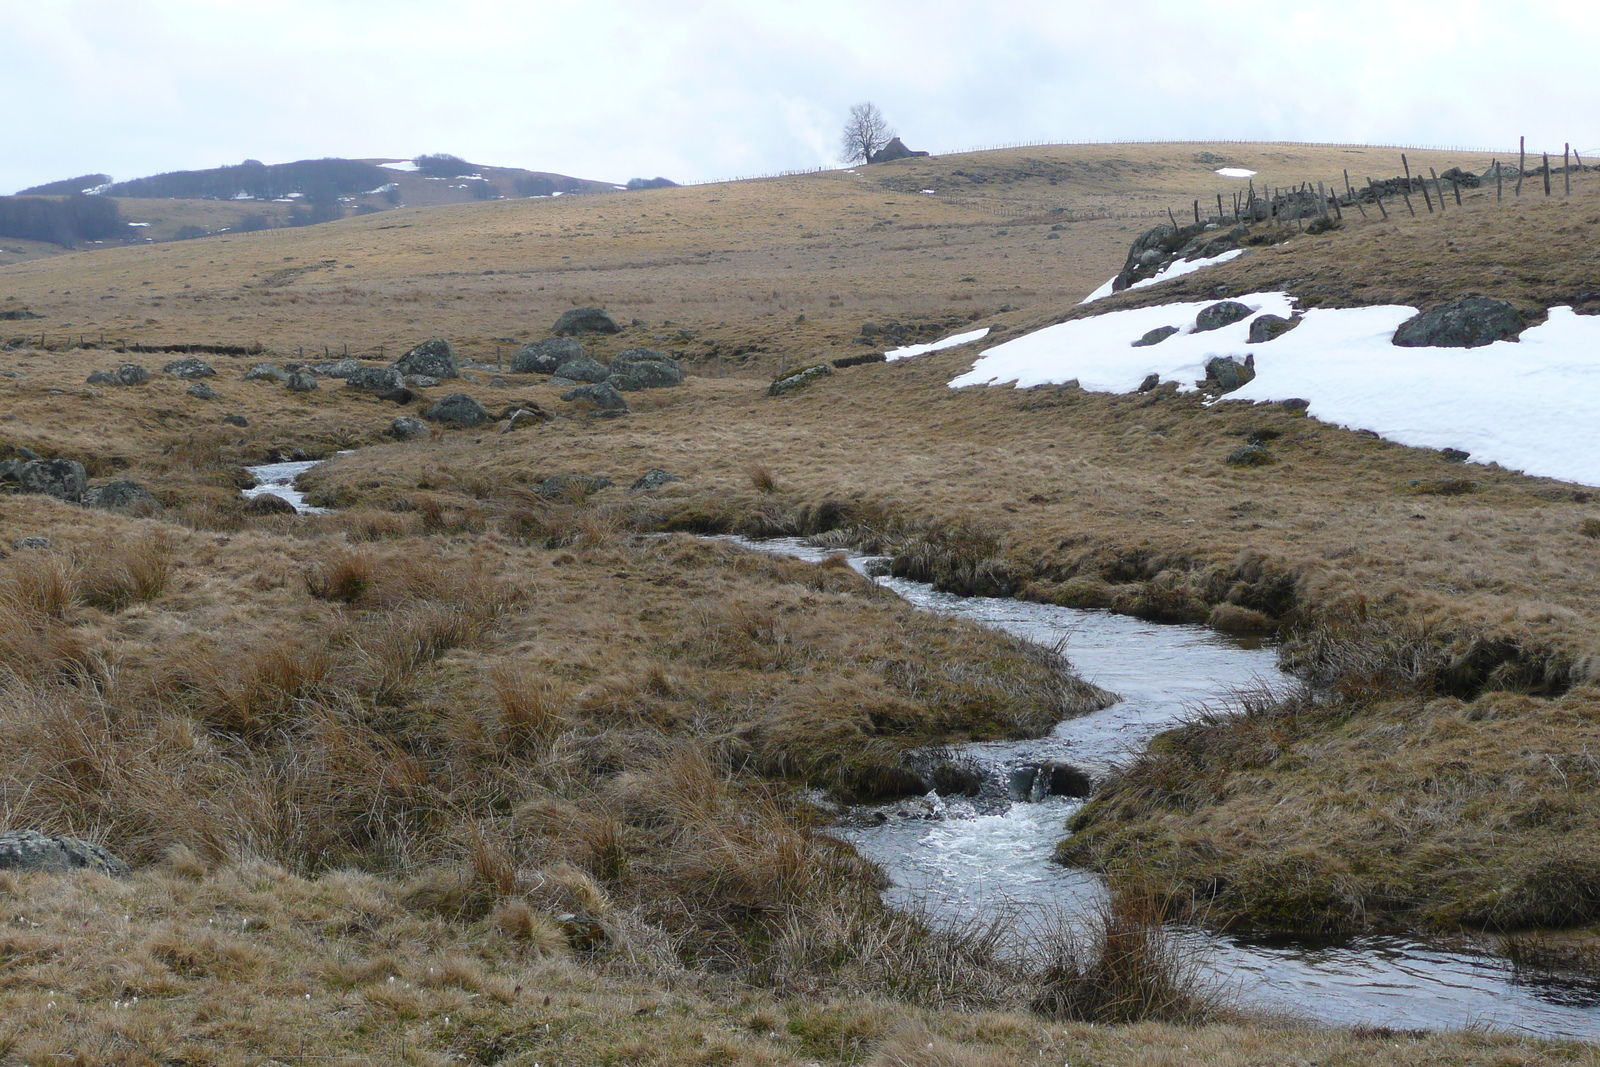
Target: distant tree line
{"points": [[64, 221], [443, 165], [326, 177], [652, 183], [69, 187]]}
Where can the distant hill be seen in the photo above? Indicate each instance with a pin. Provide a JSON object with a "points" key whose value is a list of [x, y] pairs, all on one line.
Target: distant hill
{"points": [[70, 187], [316, 178]]}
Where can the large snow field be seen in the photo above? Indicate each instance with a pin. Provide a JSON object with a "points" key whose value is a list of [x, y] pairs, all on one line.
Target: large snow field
{"points": [[1531, 405]]}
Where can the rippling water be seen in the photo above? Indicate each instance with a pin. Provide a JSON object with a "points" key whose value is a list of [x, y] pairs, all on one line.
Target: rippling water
{"points": [[969, 863]]}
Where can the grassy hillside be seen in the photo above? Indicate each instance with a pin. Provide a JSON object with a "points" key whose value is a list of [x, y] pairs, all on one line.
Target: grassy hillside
{"points": [[494, 707]]}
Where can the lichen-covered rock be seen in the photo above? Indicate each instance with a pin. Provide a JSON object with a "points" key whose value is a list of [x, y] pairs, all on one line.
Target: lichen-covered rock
{"points": [[190, 368], [602, 395], [201, 391], [64, 479], [383, 382], [799, 379], [405, 428], [266, 372], [1251, 456], [648, 368], [342, 368], [457, 409], [29, 850], [1224, 374], [436, 359], [569, 486], [1218, 315], [302, 381], [1155, 336], [121, 495], [583, 369], [654, 478], [585, 320], [1270, 327], [235, 420], [1470, 322], [543, 357]]}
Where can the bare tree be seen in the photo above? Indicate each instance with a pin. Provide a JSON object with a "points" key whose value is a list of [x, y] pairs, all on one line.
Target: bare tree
{"points": [[865, 133]]}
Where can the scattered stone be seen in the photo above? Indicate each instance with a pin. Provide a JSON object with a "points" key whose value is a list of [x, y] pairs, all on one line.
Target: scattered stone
{"points": [[436, 359], [543, 357], [583, 369], [457, 409], [654, 478], [1224, 374], [1367, 433], [269, 504], [1155, 336], [516, 416], [342, 368], [602, 395], [189, 368], [1295, 403], [303, 381], [565, 486], [1262, 436], [558, 382], [64, 479], [1269, 327], [1251, 456], [1219, 315], [497, 382], [585, 320], [99, 377], [201, 391], [29, 850], [799, 380], [30, 542], [1454, 455], [121, 495], [383, 382], [1065, 780], [650, 369], [1470, 322], [266, 372], [468, 378], [405, 428], [529, 408], [421, 381], [1149, 383], [235, 420]]}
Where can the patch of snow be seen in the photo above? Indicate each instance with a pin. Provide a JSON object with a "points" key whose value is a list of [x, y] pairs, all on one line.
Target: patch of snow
{"points": [[138, 224], [1177, 270], [283, 200], [242, 195], [405, 165], [1236, 172], [620, 188], [380, 190], [294, 196], [97, 190], [557, 193], [928, 192], [1528, 405], [934, 346]]}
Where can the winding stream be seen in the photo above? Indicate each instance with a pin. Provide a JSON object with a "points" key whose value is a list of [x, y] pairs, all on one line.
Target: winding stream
{"points": [[964, 862], [277, 479]]}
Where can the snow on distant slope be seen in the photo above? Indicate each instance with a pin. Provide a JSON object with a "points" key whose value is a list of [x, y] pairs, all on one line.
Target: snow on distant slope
{"points": [[404, 164], [934, 346], [1176, 270], [1531, 405], [1236, 172]]}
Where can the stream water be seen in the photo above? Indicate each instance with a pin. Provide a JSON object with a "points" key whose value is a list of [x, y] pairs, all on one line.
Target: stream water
{"points": [[278, 480], [967, 861]]}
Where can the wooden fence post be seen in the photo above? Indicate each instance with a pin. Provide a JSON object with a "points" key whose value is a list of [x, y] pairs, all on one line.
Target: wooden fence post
{"points": [[1197, 212], [1566, 169], [1438, 190], [1499, 183], [1522, 162], [1378, 196], [1426, 199], [1547, 174]]}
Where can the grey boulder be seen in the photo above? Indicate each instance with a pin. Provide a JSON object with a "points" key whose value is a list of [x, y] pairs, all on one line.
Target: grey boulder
{"points": [[585, 320], [122, 495], [436, 359], [405, 428], [543, 357], [1219, 315], [1224, 374], [650, 369], [1269, 327], [303, 381], [457, 409], [189, 368], [29, 850], [1470, 322], [568, 486], [654, 478], [266, 372], [201, 391], [64, 479], [342, 368], [602, 395], [235, 420], [583, 369], [383, 382], [1155, 336], [799, 379]]}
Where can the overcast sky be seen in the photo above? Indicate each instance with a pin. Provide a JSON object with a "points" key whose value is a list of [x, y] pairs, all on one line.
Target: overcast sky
{"points": [[615, 89]]}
